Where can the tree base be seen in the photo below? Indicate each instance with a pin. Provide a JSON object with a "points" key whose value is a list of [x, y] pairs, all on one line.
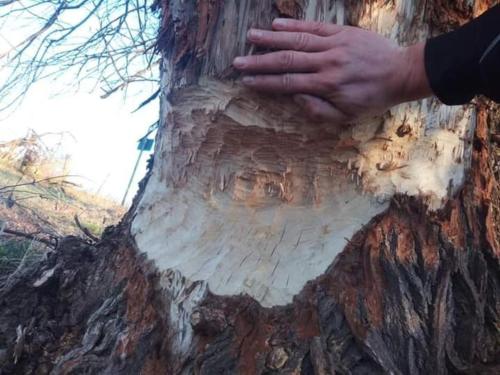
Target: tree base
{"points": [[413, 293]]}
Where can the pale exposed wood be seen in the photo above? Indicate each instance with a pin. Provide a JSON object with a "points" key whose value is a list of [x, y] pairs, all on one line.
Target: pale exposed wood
{"points": [[254, 197]]}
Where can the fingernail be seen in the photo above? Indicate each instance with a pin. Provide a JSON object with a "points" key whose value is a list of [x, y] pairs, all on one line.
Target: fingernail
{"points": [[280, 22], [239, 62], [254, 34], [248, 80]]}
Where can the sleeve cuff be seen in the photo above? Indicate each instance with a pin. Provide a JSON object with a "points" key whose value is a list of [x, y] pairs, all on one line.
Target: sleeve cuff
{"points": [[451, 67], [452, 60]]}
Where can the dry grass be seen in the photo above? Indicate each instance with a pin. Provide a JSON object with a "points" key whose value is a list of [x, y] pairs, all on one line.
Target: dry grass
{"points": [[41, 205], [50, 206]]}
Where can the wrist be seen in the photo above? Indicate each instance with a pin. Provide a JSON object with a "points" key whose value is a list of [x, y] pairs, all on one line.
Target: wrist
{"points": [[414, 83]]}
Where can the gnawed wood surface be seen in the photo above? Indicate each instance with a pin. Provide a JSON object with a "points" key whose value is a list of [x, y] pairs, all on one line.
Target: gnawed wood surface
{"points": [[253, 196], [412, 292]]}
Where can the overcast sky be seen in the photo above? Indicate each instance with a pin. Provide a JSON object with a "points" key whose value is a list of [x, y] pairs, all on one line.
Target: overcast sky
{"points": [[103, 145], [105, 132]]}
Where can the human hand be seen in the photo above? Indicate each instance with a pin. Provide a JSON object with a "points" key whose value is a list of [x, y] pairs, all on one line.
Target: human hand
{"points": [[337, 73]]}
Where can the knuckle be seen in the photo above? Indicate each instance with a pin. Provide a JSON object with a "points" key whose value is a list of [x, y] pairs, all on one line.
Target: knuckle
{"points": [[330, 57], [333, 84], [255, 60], [338, 61], [302, 41], [271, 41], [318, 27], [287, 58], [321, 83], [342, 58], [286, 81], [334, 78]]}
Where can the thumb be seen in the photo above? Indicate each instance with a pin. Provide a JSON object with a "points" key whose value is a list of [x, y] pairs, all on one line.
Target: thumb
{"points": [[319, 109]]}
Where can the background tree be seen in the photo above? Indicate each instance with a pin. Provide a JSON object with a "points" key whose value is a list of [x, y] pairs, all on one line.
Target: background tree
{"points": [[274, 245], [105, 44]]}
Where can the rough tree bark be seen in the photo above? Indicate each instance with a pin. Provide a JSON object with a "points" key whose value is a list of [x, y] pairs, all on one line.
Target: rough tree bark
{"points": [[261, 243]]}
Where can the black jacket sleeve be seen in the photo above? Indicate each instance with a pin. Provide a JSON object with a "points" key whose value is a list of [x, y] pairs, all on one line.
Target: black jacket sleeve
{"points": [[466, 62]]}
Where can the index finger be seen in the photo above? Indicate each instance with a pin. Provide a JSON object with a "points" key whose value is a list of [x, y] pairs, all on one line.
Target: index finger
{"points": [[288, 40], [312, 27]]}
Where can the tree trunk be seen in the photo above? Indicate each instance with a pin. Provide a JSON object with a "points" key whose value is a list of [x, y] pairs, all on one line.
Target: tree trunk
{"points": [[263, 243]]}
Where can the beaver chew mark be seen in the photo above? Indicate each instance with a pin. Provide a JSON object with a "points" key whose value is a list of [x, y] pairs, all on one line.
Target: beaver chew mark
{"points": [[252, 198]]}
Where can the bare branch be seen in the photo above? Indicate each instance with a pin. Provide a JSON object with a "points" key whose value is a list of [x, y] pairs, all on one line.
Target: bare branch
{"points": [[52, 243], [34, 182], [109, 42], [85, 230]]}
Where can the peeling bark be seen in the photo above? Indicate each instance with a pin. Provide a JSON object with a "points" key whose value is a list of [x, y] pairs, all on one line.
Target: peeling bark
{"points": [[414, 288]]}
